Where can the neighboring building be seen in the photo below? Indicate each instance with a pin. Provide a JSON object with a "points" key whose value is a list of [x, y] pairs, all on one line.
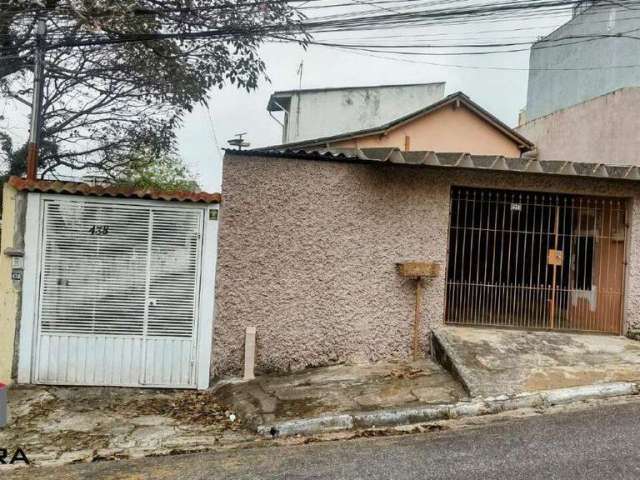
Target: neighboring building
{"points": [[310, 241], [452, 124], [575, 63], [106, 285], [321, 112], [600, 130]]}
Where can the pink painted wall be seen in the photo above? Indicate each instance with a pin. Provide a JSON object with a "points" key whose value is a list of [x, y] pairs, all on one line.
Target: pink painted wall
{"points": [[307, 254], [446, 130], [602, 130]]}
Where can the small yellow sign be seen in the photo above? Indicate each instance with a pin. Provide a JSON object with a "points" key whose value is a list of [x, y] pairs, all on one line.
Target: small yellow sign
{"points": [[419, 269], [555, 257]]}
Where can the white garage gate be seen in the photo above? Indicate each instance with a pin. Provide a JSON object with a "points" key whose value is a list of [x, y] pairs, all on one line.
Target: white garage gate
{"points": [[118, 292]]}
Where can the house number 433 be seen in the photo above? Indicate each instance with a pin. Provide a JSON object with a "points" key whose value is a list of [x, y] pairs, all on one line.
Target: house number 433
{"points": [[99, 230]]}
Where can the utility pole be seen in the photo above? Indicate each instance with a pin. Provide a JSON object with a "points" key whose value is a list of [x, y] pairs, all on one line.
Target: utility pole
{"points": [[36, 103]]}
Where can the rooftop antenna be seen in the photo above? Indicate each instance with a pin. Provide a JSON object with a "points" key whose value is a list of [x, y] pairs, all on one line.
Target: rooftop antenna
{"points": [[239, 141]]}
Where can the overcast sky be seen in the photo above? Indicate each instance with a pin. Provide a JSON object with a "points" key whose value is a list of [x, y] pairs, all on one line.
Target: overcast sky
{"points": [[502, 92]]}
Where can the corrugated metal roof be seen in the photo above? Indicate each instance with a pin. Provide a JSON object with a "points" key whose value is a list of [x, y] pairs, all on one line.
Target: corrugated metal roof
{"points": [[454, 160], [77, 188]]}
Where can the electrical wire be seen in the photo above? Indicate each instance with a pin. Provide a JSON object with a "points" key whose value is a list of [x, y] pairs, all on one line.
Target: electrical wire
{"points": [[487, 67], [461, 14]]}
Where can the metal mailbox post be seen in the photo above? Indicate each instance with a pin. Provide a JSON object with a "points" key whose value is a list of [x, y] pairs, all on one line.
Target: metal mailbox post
{"points": [[418, 270]]}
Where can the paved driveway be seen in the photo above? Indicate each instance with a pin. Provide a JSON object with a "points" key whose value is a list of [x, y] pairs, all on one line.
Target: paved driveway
{"points": [[493, 361], [600, 442]]}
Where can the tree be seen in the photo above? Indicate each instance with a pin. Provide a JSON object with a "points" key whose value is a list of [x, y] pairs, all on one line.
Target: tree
{"points": [[167, 173], [107, 93], [7, 156]]}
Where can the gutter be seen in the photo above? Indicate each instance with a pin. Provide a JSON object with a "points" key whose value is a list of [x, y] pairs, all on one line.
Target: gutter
{"points": [[393, 417], [283, 109]]}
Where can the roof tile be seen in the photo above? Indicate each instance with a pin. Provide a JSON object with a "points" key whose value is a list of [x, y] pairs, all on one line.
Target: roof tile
{"points": [[452, 160], [78, 188]]}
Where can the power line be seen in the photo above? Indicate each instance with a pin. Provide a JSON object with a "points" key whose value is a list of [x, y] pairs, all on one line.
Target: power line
{"points": [[390, 18], [233, 33], [360, 21], [321, 26], [386, 49], [485, 67]]}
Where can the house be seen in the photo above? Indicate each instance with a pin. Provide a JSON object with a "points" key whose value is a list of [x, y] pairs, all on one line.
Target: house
{"points": [[321, 112], [591, 55], [452, 124], [601, 129], [311, 239], [103, 285], [583, 94]]}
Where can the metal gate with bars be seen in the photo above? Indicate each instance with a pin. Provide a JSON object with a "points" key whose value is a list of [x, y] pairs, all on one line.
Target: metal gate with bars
{"points": [[535, 260], [118, 294]]}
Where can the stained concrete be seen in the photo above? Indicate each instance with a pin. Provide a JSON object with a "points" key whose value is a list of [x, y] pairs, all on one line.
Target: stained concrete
{"points": [[342, 389], [596, 443], [58, 425], [495, 362]]}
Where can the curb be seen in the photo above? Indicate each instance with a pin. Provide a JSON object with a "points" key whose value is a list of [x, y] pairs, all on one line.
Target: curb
{"points": [[444, 354], [407, 416]]}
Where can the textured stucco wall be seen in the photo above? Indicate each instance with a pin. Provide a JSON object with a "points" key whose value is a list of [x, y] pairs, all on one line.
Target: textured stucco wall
{"points": [[320, 113], [566, 73], [308, 251], [449, 129], [601, 130]]}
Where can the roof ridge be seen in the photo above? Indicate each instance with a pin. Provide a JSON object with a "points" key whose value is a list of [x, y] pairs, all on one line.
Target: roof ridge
{"points": [[458, 95]]}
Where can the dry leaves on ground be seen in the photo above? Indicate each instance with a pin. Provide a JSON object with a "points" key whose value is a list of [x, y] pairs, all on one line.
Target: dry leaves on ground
{"points": [[188, 407]]}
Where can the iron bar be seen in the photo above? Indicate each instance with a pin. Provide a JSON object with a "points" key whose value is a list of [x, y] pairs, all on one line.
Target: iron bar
{"points": [[559, 264]]}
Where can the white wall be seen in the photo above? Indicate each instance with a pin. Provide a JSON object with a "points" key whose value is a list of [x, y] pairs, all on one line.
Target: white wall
{"points": [[321, 113]]}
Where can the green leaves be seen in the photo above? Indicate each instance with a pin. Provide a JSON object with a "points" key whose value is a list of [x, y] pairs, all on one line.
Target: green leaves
{"points": [[165, 173]]}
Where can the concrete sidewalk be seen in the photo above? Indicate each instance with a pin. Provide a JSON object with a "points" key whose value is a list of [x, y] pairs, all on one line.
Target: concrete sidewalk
{"points": [[498, 370], [600, 441], [493, 362], [502, 370], [343, 389], [59, 425]]}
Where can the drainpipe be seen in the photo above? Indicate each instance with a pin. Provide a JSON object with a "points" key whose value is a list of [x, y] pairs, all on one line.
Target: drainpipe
{"points": [[272, 116], [284, 133]]}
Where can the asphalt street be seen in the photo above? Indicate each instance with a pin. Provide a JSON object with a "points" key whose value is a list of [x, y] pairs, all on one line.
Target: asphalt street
{"points": [[601, 442]]}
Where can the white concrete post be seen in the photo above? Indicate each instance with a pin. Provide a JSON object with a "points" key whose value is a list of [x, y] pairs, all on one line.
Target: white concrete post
{"points": [[249, 353]]}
